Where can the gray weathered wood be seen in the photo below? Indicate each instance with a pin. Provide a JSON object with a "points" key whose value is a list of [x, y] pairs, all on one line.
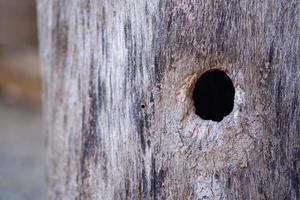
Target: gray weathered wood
{"points": [[103, 59]]}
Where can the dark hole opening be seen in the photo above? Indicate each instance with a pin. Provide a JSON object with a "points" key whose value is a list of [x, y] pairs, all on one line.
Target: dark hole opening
{"points": [[213, 95]]}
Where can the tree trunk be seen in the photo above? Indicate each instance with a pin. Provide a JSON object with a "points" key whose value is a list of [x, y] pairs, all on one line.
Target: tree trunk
{"points": [[118, 99]]}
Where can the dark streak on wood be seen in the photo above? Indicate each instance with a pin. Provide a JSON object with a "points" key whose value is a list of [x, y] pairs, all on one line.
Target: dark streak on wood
{"points": [[157, 180]]}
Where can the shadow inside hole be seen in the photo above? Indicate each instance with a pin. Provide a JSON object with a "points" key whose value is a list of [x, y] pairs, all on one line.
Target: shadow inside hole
{"points": [[213, 95]]}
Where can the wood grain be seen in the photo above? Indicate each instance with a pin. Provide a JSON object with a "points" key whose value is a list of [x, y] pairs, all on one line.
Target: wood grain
{"points": [[104, 59]]}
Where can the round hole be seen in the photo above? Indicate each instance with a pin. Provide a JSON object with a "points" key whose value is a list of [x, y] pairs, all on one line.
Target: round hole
{"points": [[213, 95]]}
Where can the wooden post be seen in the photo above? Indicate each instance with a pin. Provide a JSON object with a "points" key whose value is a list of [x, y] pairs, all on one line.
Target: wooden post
{"points": [[119, 78]]}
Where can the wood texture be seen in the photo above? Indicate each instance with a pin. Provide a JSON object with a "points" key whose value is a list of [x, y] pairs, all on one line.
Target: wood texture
{"points": [[118, 80]]}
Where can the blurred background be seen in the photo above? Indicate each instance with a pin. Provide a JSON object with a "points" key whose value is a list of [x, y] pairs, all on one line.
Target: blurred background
{"points": [[22, 141]]}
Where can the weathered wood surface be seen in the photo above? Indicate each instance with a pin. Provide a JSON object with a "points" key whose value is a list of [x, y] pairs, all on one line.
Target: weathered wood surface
{"points": [[103, 60]]}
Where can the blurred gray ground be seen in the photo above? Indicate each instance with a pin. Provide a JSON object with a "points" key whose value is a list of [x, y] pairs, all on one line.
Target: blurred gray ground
{"points": [[22, 154]]}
